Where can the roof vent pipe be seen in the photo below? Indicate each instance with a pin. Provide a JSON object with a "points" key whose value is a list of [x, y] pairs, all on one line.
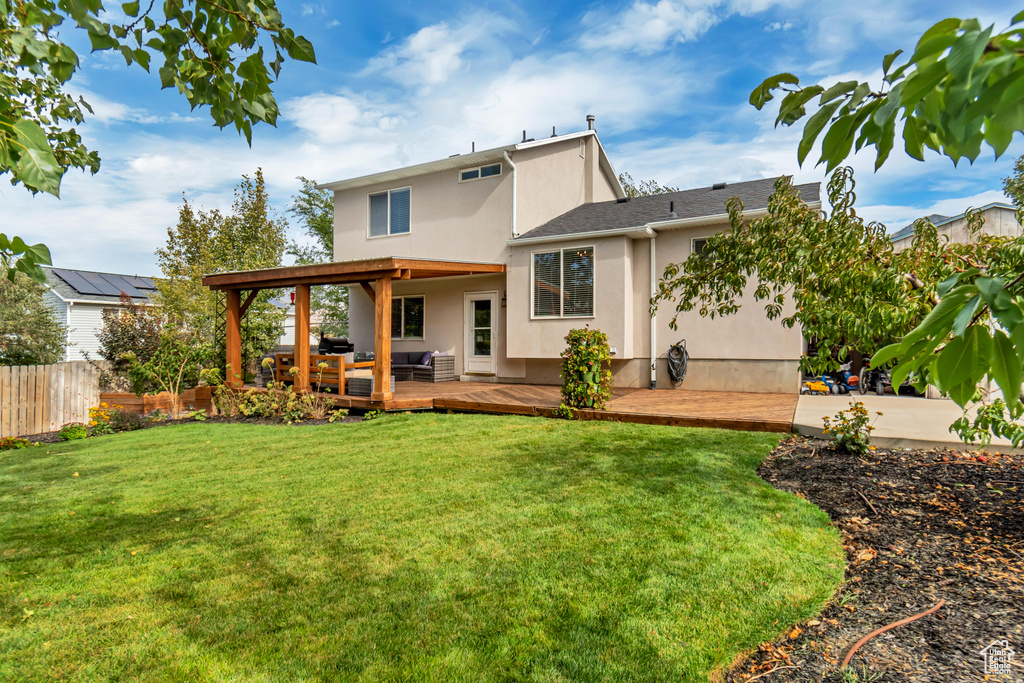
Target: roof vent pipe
{"points": [[553, 134], [474, 147], [524, 136], [672, 210], [590, 121]]}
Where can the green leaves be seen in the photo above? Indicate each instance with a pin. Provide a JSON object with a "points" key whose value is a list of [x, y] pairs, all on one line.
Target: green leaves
{"points": [[961, 89], [16, 256]]}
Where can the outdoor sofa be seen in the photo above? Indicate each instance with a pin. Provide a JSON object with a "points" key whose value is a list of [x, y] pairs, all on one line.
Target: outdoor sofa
{"points": [[422, 366]]}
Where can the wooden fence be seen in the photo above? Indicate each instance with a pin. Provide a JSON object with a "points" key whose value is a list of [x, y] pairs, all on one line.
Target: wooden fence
{"points": [[42, 398]]}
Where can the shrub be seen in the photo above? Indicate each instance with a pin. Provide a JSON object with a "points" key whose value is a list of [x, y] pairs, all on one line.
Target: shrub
{"points": [[72, 431], [128, 329], [850, 429], [10, 443], [175, 365], [126, 421], [586, 381]]}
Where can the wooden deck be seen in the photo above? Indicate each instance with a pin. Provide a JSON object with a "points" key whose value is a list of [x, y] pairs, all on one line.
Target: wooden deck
{"points": [[725, 410]]}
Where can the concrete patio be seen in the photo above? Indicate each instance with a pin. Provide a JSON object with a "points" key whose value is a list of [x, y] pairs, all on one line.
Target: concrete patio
{"points": [[906, 421]]}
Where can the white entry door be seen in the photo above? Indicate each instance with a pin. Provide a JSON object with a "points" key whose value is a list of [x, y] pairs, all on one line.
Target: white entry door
{"points": [[481, 333]]}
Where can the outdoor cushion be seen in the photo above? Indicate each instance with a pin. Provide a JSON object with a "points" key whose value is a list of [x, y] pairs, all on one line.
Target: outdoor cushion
{"points": [[399, 357], [425, 359]]}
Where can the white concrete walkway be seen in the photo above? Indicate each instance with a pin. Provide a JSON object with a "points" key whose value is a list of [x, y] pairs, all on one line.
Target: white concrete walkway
{"points": [[906, 421]]}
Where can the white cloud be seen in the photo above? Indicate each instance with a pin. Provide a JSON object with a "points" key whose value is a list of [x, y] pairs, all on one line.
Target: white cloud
{"points": [[646, 27], [338, 118], [435, 53], [779, 26]]}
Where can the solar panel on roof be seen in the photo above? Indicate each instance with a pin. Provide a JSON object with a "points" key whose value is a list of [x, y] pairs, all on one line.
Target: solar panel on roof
{"points": [[140, 282], [122, 285], [79, 283], [105, 287]]}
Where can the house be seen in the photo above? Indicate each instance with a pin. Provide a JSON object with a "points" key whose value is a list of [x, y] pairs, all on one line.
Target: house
{"points": [[79, 297], [549, 242], [1000, 219]]}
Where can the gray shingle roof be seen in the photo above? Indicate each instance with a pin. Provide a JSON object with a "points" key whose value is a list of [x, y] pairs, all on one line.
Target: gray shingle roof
{"points": [[66, 290], [639, 211], [908, 230]]}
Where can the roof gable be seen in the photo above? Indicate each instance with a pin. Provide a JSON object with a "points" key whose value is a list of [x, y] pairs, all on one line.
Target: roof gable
{"points": [[459, 161]]}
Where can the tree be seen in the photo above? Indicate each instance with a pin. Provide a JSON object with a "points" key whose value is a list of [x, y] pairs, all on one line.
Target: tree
{"points": [[129, 329], [315, 210], [643, 188], [30, 333], [205, 242], [216, 54], [959, 89], [176, 363]]}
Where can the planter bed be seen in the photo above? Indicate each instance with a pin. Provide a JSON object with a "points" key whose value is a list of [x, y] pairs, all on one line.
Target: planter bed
{"points": [[949, 526]]}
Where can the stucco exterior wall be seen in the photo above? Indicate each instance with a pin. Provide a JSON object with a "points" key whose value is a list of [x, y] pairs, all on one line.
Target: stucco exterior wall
{"points": [[744, 335], [557, 178], [443, 317], [613, 300], [999, 221], [472, 220], [456, 221]]}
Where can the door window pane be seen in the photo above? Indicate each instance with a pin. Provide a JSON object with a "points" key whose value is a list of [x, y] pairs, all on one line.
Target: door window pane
{"points": [[482, 313], [481, 342]]}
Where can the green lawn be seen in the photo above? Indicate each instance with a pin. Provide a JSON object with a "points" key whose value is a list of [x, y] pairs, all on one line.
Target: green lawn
{"points": [[409, 548]]}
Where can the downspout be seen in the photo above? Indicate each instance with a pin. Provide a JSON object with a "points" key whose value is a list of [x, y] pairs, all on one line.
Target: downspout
{"points": [[508, 160], [654, 326]]}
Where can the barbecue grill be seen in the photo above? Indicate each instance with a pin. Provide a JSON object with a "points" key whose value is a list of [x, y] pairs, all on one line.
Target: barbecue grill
{"points": [[334, 345]]}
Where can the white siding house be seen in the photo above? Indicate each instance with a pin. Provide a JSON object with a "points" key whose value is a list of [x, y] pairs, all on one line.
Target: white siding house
{"points": [[79, 297]]}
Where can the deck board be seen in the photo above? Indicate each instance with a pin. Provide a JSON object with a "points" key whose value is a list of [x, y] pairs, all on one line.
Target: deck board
{"points": [[727, 410]]}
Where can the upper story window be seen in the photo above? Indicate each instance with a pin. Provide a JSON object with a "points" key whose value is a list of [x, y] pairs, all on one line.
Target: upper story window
{"points": [[697, 245], [479, 172], [389, 212], [563, 283]]}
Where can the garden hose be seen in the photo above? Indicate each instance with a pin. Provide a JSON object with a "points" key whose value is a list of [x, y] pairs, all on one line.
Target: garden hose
{"points": [[677, 359]]}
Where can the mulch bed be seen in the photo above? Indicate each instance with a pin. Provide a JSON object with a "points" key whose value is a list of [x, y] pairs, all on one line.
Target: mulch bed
{"points": [[51, 437], [946, 525]]}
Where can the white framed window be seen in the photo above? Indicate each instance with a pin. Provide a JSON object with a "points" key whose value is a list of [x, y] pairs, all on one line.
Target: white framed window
{"points": [[488, 171], [390, 212], [563, 283], [697, 245], [407, 317]]}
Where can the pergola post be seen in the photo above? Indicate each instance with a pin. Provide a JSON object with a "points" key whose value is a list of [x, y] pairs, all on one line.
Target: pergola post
{"points": [[382, 341], [234, 372], [301, 380]]}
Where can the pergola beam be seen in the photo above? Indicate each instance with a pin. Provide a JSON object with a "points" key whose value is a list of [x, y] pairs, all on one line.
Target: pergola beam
{"points": [[248, 302], [369, 290]]}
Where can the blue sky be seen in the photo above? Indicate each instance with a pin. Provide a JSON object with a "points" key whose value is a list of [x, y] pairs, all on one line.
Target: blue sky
{"points": [[405, 82]]}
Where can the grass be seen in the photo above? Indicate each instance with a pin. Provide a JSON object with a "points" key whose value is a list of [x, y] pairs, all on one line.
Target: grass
{"points": [[409, 548]]}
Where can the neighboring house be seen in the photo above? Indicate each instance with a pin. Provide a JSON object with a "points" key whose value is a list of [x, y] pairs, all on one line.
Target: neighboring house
{"points": [[288, 334], [577, 252], [79, 297], [1000, 219]]}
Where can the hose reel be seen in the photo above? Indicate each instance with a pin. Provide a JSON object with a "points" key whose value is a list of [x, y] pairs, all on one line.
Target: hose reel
{"points": [[678, 357]]}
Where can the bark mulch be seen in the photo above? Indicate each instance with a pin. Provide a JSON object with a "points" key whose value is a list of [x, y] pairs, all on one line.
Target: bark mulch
{"points": [[918, 527]]}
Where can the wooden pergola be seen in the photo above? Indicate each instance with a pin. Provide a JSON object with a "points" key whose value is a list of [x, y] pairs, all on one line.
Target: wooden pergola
{"points": [[375, 277]]}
